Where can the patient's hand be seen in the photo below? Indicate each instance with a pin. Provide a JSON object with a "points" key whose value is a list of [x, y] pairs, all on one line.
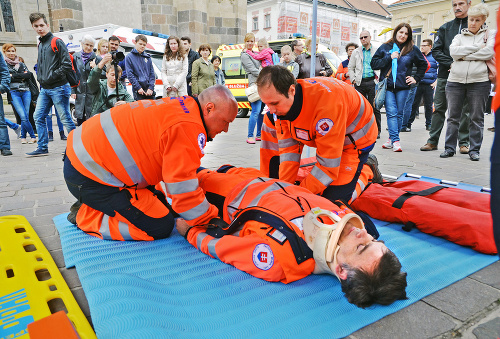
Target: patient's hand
{"points": [[182, 226]]}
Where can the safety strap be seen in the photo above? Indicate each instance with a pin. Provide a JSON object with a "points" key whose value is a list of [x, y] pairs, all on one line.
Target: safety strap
{"points": [[301, 251], [398, 203]]}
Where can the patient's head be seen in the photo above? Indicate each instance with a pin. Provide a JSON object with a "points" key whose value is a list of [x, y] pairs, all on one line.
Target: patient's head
{"points": [[369, 272]]}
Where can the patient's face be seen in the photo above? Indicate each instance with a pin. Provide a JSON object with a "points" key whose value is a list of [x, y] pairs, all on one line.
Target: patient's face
{"points": [[359, 249]]}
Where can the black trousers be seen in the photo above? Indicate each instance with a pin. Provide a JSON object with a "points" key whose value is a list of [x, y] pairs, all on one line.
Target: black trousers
{"points": [[367, 89]]}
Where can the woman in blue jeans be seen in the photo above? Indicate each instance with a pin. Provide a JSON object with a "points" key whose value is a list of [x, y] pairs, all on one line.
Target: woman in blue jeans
{"points": [[395, 60], [252, 68], [19, 90]]}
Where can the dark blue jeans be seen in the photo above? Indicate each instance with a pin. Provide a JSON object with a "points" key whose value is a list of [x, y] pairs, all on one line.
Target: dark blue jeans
{"points": [[255, 118], [21, 100], [495, 181], [4, 133], [409, 105], [423, 91]]}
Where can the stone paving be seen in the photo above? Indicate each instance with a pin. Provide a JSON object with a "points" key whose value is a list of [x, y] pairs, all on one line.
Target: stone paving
{"points": [[470, 308]]}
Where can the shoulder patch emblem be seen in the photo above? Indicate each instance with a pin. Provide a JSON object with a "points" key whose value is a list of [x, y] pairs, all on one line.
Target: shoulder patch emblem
{"points": [[324, 126], [263, 257], [202, 141]]}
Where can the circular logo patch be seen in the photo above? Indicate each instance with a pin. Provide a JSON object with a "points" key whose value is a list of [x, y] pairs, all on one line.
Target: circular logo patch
{"points": [[202, 141], [324, 126], [263, 257]]}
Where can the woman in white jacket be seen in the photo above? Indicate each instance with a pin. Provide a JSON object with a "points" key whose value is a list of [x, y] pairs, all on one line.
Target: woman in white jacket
{"points": [[469, 79], [174, 69]]}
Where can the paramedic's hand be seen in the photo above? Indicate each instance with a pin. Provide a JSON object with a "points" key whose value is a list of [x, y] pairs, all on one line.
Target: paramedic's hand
{"points": [[395, 55], [410, 80], [121, 102], [73, 96], [182, 226], [149, 92]]}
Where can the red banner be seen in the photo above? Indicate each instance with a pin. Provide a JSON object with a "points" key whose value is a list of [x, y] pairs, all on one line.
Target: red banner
{"points": [[291, 25], [281, 24], [345, 36], [325, 30]]}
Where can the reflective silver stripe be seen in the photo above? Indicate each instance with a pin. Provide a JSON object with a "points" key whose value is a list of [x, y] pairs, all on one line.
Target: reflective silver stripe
{"points": [[287, 143], [270, 130], [197, 211], [235, 203], [360, 133], [361, 185], [89, 163], [354, 196], [182, 186], [321, 176], [361, 111], [289, 157], [124, 231], [104, 229], [266, 144], [211, 248], [327, 162], [271, 188], [199, 239], [121, 150]]}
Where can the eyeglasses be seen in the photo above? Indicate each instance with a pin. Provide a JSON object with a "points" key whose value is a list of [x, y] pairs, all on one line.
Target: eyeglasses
{"points": [[363, 37], [425, 45]]}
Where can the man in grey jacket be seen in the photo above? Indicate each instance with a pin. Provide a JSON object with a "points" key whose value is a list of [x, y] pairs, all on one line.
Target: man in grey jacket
{"points": [[362, 75], [441, 52]]}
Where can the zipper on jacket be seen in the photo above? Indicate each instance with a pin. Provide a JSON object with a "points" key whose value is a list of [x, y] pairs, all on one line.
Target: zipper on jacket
{"points": [[296, 200]]}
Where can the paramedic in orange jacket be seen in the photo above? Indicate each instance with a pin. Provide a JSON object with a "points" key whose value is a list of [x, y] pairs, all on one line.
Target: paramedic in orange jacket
{"points": [[281, 247], [326, 114], [115, 159], [342, 70]]}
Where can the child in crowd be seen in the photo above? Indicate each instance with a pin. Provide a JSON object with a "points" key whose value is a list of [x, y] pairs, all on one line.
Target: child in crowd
{"points": [[287, 57], [265, 55]]}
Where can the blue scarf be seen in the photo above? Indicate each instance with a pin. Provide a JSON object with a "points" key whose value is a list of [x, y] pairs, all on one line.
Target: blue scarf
{"points": [[395, 48]]}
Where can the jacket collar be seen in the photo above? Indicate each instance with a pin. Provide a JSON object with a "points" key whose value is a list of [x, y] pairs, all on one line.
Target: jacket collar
{"points": [[203, 120], [294, 111], [46, 37], [483, 28], [144, 54]]}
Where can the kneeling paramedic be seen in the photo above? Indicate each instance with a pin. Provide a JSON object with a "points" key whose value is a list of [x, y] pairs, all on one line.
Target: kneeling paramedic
{"points": [[323, 113], [115, 161], [276, 231]]}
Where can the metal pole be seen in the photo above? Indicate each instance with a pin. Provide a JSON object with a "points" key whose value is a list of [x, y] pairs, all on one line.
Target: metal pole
{"points": [[313, 42]]}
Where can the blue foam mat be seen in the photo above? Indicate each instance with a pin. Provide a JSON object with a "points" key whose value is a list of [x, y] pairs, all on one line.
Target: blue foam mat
{"points": [[167, 288]]}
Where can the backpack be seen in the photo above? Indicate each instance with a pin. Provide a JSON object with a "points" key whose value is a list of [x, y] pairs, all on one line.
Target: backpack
{"points": [[276, 58], [73, 76]]}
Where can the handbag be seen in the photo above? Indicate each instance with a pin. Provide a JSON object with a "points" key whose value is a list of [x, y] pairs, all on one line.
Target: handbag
{"points": [[380, 89], [491, 64], [252, 93]]}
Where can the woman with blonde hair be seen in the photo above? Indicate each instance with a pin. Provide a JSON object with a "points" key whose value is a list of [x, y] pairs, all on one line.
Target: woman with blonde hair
{"points": [[468, 78], [102, 47], [174, 69]]}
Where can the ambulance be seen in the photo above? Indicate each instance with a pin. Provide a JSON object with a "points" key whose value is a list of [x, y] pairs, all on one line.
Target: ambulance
{"points": [[155, 46], [236, 78]]}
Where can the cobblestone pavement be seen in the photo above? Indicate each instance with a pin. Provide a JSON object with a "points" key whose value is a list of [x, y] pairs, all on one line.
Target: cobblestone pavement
{"points": [[34, 188]]}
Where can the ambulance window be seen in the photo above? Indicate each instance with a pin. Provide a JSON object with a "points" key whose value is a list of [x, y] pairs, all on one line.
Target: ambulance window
{"points": [[157, 60], [232, 68]]}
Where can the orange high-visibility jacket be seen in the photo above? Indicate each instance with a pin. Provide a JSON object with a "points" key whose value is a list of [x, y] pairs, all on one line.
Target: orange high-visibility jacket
{"points": [[342, 72], [259, 249], [335, 119], [143, 143]]}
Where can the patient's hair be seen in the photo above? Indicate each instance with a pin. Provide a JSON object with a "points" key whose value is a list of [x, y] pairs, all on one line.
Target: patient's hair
{"points": [[385, 285]]}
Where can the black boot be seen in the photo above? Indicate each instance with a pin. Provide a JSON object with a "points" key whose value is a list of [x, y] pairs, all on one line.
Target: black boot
{"points": [[51, 136], [63, 136]]}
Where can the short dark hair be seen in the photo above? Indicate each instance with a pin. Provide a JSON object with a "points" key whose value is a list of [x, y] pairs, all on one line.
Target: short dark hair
{"points": [[214, 58], [429, 41], [386, 284], [37, 16], [294, 43], [141, 37], [278, 76], [350, 45], [186, 38], [204, 46], [114, 38]]}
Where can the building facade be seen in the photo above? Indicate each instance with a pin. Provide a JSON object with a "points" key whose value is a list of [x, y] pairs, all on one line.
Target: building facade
{"points": [[205, 21], [338, 22], [426, 16]]}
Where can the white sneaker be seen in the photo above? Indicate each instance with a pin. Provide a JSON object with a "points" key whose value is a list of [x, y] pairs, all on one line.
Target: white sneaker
{"points": [[388, 144], [397, 146]]}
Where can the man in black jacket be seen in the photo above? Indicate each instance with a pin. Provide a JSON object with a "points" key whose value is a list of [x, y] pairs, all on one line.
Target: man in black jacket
{"points": [[441, 52], [192, 57], [55, 89]]}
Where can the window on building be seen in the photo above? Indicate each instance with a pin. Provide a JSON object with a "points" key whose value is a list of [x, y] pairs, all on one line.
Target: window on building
{"points": [[267, 21], [417, 36], [255, 25], [7, 16]]}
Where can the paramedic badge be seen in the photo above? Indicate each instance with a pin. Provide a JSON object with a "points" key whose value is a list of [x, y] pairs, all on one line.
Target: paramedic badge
{"points": [[324, 126], [263, 257], [202, 141]]}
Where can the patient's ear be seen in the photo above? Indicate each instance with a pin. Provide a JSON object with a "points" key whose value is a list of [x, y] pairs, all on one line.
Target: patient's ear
{"points": [[341, 272]]}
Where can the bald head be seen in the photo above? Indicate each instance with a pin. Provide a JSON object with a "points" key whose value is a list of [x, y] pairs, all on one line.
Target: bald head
{"points": [[365, 39], [219, 108]]}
